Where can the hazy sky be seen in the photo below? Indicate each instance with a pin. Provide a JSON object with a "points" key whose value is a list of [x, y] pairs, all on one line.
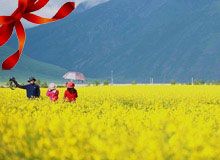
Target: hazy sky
{"points": [[8, 6]]}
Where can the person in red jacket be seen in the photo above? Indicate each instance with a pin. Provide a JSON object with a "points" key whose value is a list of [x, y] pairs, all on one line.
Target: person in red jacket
{"points": [[70, 94], [52, 92]]}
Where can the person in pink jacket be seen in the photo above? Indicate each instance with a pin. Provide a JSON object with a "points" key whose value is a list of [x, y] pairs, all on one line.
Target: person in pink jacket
{"points": [[52, 92]]}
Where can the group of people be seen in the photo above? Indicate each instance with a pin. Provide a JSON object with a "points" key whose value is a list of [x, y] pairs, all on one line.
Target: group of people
{"points": [[33, 90]]}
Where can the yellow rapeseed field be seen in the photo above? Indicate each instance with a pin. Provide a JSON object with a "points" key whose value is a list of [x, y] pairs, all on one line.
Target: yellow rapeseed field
{"points": [[113, 123]]}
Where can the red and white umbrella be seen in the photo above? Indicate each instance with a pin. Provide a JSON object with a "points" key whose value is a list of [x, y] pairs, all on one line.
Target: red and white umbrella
{"points": [[76, 76]]}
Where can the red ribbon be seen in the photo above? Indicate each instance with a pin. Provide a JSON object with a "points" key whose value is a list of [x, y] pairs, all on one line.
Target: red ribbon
{"points": [[25, 7]]}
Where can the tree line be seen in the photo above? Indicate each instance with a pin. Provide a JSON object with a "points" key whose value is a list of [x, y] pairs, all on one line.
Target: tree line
{"points": [[198, 82]]}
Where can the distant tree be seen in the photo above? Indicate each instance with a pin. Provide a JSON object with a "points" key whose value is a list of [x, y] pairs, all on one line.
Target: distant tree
{"points": [[208, 82], [88, 84], [38, 82], [196, 82], [217, 82], [133, 82], [44, 85], [96, 82], [61, 86], [10, 84], [106, 82], [213, 82], [7, 84], [201, 81], [172, 82]]}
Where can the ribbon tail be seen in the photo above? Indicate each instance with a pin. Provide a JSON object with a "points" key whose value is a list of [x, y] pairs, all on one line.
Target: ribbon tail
{"points": [[5, 33], [11, 61], [37, 19], [64, 11], [38, 5]]}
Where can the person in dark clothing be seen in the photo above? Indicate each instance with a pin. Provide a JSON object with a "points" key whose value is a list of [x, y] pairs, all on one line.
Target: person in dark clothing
{"points": [[33, 90]]}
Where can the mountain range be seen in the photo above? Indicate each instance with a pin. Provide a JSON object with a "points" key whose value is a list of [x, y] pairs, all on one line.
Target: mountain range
{"points": [[163, 39]]}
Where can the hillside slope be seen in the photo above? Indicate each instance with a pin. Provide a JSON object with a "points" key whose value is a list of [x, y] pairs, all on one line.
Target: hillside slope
{"points": [[27, 67], [138, 39]]}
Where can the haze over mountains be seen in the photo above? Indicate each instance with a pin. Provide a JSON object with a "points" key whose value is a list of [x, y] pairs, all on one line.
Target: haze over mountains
{"points": [[164, 39]]}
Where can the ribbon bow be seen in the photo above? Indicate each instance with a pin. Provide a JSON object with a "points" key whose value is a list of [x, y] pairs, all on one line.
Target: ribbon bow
{"points": [[25, 7]]}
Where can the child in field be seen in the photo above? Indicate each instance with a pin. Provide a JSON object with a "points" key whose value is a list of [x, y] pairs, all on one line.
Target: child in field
{"points": [[52, 92], [70, 94]]}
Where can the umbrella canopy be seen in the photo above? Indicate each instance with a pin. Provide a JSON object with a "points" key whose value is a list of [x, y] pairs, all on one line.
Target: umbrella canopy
{"points": [[77, 76]]}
